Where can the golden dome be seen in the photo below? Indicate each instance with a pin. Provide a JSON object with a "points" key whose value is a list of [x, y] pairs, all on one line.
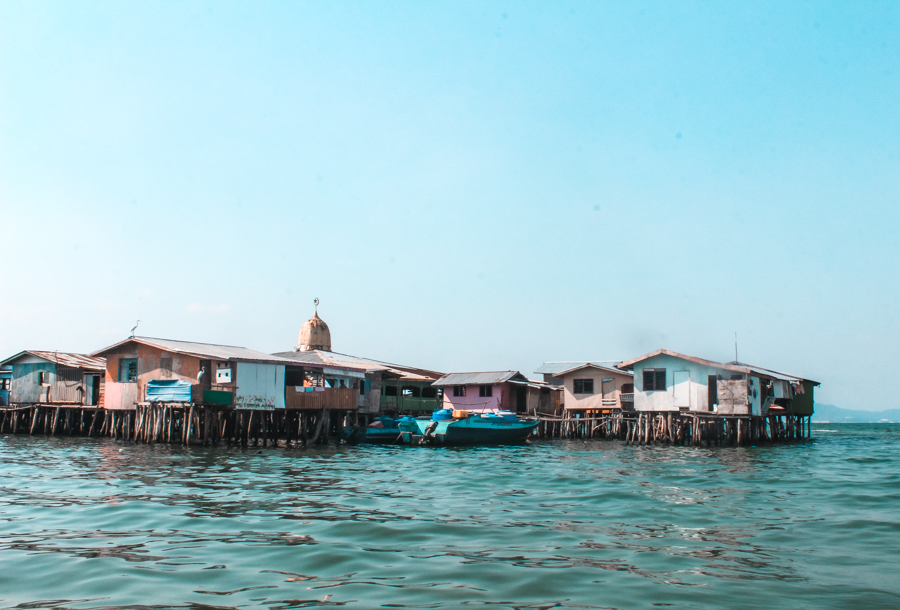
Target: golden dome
{"points": [[314, 335]]}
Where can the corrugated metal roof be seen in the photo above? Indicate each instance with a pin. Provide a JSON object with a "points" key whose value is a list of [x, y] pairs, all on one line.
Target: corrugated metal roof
{"points": [[553, 368], [77, 361], [776, 374], [559, 368], [580, 365], [737, 367], [204, 350], [484, 378], [322, 357], [309, 357]]}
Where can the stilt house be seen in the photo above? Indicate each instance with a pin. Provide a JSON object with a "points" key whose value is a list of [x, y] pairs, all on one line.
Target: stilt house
{"points": [[55, 378], [496, 390], [145, 369], [669, 381], [592, 387]]}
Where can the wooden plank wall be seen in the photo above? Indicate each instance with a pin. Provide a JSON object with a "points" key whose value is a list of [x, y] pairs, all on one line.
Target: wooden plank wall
{"points": [[330, 398]]}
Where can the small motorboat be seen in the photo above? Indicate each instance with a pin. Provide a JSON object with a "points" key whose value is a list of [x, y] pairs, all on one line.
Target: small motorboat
{"points": [[447, 427], [383, 430]]}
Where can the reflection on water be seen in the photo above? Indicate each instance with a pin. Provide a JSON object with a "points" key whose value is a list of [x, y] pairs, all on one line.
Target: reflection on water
{"points": [[88, 524]]}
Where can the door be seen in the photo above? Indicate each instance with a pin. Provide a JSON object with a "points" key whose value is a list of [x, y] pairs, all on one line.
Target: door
{"points": [[87, 395], [521, 399], [682, 383]]}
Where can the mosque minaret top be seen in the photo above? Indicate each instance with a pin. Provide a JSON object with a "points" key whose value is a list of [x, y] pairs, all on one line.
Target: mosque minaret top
{"points": [[314, 334]]}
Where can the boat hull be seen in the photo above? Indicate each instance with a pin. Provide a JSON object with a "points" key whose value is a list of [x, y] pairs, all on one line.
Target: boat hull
{"points": [[382, 436], [475, 431]]}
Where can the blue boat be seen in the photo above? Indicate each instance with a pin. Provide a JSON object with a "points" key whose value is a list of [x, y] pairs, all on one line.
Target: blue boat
{"points": [[471, 428]]}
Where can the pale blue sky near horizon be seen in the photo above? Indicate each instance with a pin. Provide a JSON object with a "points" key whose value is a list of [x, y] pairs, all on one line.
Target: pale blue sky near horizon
{"points": [[464, 185]]}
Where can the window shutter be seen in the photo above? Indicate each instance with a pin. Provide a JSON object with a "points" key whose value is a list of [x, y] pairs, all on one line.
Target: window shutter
{"points": [[649, 378]]}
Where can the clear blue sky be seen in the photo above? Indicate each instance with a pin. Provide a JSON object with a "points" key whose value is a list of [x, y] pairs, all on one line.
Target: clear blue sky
{"points": [[465, 186]]}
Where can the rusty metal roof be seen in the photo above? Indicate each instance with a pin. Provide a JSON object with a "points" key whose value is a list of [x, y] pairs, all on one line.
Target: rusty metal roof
{"points": [[202, 350], [776, 374], [76, 361]]}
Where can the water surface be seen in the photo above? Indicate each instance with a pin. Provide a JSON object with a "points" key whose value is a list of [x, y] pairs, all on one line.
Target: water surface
{"points": [[597, 524]]}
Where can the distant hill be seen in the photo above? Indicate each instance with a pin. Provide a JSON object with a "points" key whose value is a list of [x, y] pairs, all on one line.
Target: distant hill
{"points": [[836, 415]]}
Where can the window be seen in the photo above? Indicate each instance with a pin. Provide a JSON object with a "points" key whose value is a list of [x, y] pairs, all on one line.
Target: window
{"points": [[4, 384], [429, 392], [390, 390], [65, 373], [459, 390], [737, 376], [654, 380], [362, 387], [127, 369], [44, 378], [584, 386], [485, 391]]}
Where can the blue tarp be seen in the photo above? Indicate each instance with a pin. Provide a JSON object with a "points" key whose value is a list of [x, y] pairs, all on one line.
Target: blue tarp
{"points": [[173, 390]]}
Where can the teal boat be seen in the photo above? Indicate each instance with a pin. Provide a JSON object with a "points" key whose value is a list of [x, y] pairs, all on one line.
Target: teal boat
{"points": [[384, 430], [496, 428]]}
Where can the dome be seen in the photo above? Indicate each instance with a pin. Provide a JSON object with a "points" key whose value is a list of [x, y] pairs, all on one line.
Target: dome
{"points": [[314, 335]]}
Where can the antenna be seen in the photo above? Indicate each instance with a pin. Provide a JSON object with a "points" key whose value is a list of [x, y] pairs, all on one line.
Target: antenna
{"points": [[735, 347], [316, 303]]}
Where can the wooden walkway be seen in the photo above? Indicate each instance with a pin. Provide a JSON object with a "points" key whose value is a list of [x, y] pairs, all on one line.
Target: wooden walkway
{"points": [[191, 424], [678, 428], [183, 423]]}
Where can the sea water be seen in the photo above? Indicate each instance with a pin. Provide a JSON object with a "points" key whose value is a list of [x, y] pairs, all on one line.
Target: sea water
{"points": [[87, 523]]}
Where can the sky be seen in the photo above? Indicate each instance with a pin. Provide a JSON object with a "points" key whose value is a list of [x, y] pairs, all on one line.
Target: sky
{"points": [[464, 185]]}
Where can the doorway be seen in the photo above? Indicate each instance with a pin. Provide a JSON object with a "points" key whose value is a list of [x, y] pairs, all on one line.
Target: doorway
{"points": [[521, 399]]}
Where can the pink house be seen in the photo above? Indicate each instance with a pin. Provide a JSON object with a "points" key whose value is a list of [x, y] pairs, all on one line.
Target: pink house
{"points": [[496, 391]]}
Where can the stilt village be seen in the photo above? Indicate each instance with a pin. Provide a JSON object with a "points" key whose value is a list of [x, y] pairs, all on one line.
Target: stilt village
{"points": [[150, 390]]}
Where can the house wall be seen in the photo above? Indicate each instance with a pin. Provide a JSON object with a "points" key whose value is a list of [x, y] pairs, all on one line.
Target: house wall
{"points": [[372, 399], [25, 385], [754, 395], [534, 400], [259, 386], [120, 395], [665, 400], [473, 402], [593, 401], [804, 404], [184, 367]]}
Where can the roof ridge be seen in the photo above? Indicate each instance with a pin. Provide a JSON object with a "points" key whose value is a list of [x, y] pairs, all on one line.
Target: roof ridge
{"points": [[194, 342], [476, 372]]}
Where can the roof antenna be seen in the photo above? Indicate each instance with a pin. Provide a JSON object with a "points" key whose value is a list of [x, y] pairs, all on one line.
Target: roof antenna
{"points": [[735, 348], [135, 328], [316, 302]]}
